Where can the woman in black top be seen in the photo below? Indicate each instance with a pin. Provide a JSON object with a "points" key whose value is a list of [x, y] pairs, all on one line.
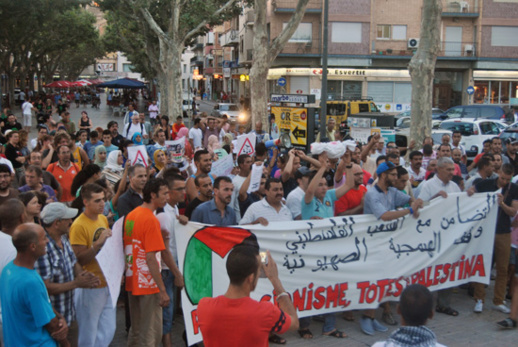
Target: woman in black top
{"points": [[85, 123], [14, 155]]}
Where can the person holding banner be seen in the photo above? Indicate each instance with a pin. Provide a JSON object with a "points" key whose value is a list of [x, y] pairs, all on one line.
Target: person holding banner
{"points": [[203, 163], [204, 186], [217, 211], [234, 319], [319, 203], [382, 200]]}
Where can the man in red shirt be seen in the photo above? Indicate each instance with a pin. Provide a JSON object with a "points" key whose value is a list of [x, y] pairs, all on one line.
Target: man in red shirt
{"points": [[64, 171], [143, 243], [234, 319], [352, 202]]}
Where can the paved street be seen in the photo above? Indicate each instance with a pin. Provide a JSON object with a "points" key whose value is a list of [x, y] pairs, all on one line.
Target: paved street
{"points": [[468, 329]]}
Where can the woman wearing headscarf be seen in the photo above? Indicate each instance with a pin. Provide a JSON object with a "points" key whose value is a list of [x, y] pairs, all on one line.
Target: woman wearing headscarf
{"points": [[184, 132], [100, 156], [113, 169], [137, 139], [160, 159]]}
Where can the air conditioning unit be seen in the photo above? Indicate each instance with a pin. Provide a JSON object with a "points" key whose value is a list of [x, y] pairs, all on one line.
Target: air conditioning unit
{"points": [[468, 50], [413, 43]]}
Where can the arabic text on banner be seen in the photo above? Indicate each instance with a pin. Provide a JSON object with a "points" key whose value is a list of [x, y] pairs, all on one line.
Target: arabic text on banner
{"points": [[346, 263]]}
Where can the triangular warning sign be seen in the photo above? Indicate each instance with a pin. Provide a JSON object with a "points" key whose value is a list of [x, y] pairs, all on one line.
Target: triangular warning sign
{"points": [[140, 159], [246, 148]]}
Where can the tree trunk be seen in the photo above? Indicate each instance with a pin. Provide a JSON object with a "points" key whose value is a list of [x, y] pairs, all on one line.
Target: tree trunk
{"points": [[422, 71], [264, 54], [171, 62], [260, 66]]}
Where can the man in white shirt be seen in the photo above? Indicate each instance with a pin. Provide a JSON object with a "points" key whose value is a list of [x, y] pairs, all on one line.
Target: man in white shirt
{"points": [[416, 170], [196, 134], [134, 127], [153, 112], [27, 108], [269, 209], [244, 161], [455, 142], [172, 277], [294, 198]]}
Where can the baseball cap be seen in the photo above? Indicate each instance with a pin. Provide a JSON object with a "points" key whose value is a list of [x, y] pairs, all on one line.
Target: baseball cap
{"points": [[302, 172], [57, 210], [511, 140], [385, 166]]}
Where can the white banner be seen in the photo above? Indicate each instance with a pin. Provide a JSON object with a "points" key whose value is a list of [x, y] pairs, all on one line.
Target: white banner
{"points": [[246, 144], [223, 166], [138, 155], [176, 150], [346, 263], [111, 261]]}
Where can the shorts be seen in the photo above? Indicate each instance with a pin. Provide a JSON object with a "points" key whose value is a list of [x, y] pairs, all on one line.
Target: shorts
{"points": [[27, 120]]}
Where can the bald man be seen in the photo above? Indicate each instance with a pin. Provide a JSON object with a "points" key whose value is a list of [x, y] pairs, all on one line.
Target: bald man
{"points": [[28, 317]]}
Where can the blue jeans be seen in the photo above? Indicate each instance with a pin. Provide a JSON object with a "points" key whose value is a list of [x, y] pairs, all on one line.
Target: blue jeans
{"points": [[168, 312], [329, 322]]}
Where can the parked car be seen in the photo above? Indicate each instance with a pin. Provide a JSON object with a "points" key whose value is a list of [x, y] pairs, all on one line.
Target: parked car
{"points": [[403, 136], [495, 112], [186, 108], [435, 111], [474, 132], [232, 111], [404, 122], [510, 132]]}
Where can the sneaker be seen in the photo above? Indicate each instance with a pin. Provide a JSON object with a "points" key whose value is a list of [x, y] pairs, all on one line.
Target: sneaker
{"points": [[507, 323], [366, 325], [502, 308], [378, 326], [478, 306]]}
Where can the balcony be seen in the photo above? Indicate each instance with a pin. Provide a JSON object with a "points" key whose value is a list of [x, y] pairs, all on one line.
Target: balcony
{"points": [[448, 49], [460, 9], [197, 61], [302, 48], [229, 38], [288, 6]]}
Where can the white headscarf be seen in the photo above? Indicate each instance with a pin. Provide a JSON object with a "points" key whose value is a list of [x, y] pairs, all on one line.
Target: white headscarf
{"points": [[111, 162]]}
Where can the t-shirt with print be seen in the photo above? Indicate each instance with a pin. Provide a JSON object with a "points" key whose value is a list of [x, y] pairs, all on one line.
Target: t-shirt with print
{"points": [[317, 208], [239, 322], [84, 232], [142, 235], [349, 200]]}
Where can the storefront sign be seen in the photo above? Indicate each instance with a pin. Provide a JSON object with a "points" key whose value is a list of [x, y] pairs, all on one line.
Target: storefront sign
{"points": [[292, 120], [293, 98]]}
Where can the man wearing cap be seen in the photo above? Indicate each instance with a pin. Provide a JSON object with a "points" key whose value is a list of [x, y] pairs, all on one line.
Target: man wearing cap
{"points": [[382, 200], [59, 268], [294, 199]]}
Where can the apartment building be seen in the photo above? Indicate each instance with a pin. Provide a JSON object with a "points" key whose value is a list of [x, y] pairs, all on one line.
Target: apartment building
{"points": [[371, 42]]}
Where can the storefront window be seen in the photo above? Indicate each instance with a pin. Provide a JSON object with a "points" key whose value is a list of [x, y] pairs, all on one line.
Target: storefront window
{"points": [[504, 92], [481, 92], [495, 92], [514, 93], [334, 89]]}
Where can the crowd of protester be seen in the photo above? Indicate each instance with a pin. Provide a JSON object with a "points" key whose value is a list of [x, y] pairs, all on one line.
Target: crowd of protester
{"points": [[62, 191]]}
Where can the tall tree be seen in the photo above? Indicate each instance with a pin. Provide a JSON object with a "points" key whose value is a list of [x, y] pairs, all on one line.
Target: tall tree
{"points": [[422, 71], [265, 52], [175, 24]]}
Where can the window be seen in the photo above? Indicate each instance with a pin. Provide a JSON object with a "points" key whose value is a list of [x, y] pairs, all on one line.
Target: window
{"points": [[504, 36], [383, 32], [343, 32], [304, 32], [391, 32], [399, 32], [127, 68]]}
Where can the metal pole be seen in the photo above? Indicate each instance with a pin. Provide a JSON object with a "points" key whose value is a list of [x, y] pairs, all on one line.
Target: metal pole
{"points": [[323, 93]]}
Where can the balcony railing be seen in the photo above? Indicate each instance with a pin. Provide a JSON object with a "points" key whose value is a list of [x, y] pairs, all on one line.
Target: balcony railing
{"points": [[461, 49], [314, 6], [229, 38], [460, 8], [302, 48], [458, 49]]}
